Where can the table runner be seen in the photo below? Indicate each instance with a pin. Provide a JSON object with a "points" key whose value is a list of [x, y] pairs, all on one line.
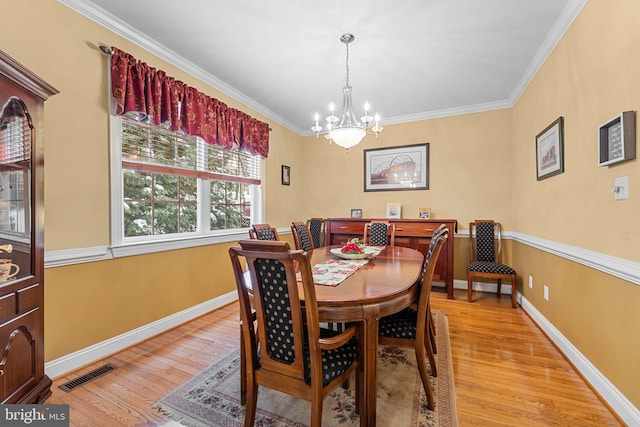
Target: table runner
{"points": [[334, 271]]}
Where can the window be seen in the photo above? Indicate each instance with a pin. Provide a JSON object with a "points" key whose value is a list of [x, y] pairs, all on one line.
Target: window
{"points": [[172, 185]]}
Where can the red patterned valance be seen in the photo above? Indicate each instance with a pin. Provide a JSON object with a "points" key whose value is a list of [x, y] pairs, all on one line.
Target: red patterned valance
{"points": [[141, 89]]}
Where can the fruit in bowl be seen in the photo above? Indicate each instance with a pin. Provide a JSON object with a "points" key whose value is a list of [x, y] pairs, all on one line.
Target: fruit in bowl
{"points": [[352, 248]]}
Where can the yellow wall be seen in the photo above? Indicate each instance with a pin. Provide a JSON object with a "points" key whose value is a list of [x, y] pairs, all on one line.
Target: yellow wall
{"points": [[591, 76], [469, 157], [482, 166]]}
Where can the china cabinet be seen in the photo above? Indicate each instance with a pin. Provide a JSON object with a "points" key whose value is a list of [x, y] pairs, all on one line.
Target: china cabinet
{"points": [[22, 96]]}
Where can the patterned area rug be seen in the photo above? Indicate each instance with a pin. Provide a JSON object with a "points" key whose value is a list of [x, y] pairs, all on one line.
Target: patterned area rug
{"points": [[212, 398]]}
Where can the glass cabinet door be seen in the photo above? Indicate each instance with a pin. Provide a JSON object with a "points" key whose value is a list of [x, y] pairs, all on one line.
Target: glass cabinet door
{"points": [[16, 134]]}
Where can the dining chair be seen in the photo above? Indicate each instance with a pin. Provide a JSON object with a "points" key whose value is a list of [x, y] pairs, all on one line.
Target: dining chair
{"points": [[379, 233], [411, 326], [301, 236], [263, 232], [295, 355], [485, 257], [317, 229]]}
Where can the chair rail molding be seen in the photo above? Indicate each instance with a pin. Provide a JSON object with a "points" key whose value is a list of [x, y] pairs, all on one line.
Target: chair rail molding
{"points": [[101, 253], [618, 267]]}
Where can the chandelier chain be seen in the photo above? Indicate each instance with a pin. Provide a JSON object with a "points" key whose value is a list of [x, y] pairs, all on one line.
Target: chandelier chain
{"points": [[347, 79]]}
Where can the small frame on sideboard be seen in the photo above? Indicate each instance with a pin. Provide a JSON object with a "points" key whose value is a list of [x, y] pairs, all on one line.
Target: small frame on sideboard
{"points": [[393, 210], [356, 213], [617, 139], [424, 213]]}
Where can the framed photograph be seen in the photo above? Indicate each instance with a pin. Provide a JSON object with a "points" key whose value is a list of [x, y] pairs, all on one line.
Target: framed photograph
{"points": [[617, 139], [393, 210], [550, 150], [424, 213], [286, 175], [356, 213], [397, 168]]}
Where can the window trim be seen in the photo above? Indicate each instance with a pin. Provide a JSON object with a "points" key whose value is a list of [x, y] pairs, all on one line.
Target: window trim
{"points": [[158, 243]]}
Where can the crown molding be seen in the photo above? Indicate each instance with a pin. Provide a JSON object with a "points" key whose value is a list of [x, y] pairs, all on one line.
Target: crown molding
{"points": [[561, 26], [107, 20], [119, 27]]}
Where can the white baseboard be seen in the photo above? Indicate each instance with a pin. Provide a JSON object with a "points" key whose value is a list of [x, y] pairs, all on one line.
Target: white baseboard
{"points": [[484, 286], [73, 361], [618, 402]]}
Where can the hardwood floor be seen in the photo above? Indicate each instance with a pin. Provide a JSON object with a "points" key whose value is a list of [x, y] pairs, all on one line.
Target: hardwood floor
{"points": [[506, 371]]}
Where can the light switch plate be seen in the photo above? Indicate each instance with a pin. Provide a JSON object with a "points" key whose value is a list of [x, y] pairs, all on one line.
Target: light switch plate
{"points": [[622, 188]]}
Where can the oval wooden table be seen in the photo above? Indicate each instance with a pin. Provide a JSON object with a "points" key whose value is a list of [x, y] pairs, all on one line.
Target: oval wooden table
{"points": [[385, 285]]}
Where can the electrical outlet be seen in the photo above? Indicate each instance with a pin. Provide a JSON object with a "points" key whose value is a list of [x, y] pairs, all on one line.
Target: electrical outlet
{"points": [[546, 292], [530, 282]]}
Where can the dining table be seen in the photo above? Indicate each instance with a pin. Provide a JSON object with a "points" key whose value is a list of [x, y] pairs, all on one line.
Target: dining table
{"points": [[386, 284]]}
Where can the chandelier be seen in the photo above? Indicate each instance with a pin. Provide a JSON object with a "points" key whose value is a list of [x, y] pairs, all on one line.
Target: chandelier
{"points": [[345, 129]]}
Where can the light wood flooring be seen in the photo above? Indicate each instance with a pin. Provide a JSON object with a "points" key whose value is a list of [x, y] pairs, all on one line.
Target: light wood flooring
{"points": [[507, 372]]}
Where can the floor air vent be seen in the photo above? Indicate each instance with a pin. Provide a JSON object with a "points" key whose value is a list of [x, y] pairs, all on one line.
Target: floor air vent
{"points": [[88, 377]]}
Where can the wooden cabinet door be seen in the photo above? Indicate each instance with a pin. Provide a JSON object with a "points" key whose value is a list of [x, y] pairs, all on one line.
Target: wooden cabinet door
{"points": [[18, 367]]}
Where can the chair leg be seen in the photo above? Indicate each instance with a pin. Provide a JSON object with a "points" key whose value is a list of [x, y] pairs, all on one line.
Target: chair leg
{"points": [[243, 371], [499, 286], [424, 375], [432, 359], [469, 286], [252, 402], [432, 330], [514, 303], [316, 411]]}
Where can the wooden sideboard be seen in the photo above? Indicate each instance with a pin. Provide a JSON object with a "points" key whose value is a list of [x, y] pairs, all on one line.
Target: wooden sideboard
{"points": [[411, 233]]}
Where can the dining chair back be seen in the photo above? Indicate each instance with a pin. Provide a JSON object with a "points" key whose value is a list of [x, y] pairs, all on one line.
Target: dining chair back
{"points": [[413, 326], [301, 236], [295, 356], [379, 233], [263, 232], [317, 229], [485, 257]]}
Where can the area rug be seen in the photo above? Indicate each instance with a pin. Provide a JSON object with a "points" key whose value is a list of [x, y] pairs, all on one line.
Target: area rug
{"points": [[212, 398]]}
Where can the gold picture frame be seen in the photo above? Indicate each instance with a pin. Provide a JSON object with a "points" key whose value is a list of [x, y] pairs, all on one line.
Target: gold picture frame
{"points": [[424, 213]]}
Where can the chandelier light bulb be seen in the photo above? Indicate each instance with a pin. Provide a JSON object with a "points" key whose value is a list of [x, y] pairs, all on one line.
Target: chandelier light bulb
{"points": [[316, 128]]}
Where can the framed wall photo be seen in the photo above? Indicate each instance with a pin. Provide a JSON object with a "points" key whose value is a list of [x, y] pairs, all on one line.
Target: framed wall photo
{"points": [[617, 139], [424, 213], [397, 168], [356, 213], [550, 150], [286, 175], [393, 210]]}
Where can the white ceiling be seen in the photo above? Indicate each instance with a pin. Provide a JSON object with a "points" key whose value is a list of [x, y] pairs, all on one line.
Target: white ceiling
{"points": [[411, 59]]}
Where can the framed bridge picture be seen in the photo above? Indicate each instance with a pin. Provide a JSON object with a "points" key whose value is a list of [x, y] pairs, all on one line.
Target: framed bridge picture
{"points": [[404, 167]]}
